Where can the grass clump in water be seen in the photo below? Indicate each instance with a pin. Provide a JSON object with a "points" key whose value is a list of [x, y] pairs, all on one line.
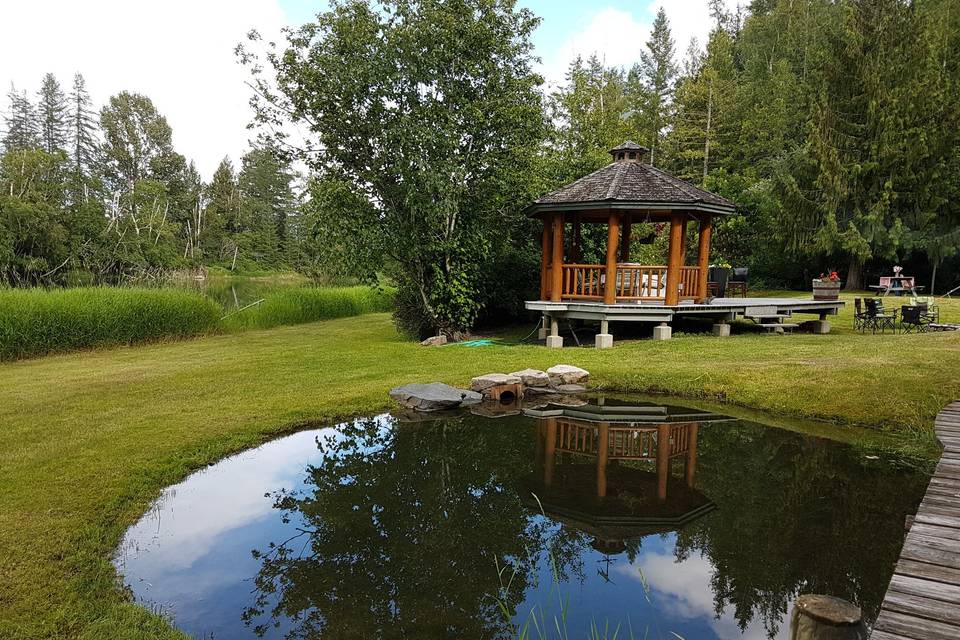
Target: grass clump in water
{"points": [[38, 321], [309, 304]]}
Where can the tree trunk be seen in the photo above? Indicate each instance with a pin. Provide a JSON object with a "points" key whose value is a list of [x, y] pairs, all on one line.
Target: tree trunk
{"points": [[854, 275], [933, 277]]}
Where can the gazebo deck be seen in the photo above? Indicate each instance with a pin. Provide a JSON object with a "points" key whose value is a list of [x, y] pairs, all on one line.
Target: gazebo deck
{"points": [[723, 309]]}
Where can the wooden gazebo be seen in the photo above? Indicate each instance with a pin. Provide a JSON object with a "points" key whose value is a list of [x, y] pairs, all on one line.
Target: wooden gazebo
{"points": [[626, 191]]}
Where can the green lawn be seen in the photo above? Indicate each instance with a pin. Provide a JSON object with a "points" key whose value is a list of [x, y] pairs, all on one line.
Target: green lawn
{"points": [[87, 440]]}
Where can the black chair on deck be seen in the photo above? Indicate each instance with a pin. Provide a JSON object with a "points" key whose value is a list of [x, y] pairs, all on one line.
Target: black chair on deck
{"points": [[878, 318], [737, 284], [914, 318]]}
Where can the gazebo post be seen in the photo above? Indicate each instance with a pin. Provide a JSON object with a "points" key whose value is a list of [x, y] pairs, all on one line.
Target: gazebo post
{"points": [[544, 258], [683, 243], [674, 260], [613, 236], [625, 240], [703, 256], [690, 470], [556, 274]]}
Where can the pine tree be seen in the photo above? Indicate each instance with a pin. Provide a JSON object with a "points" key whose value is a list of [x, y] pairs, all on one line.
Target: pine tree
{"points": [[52, 115], [83, 129], [221, 211], [658, 72], [21, 130]]}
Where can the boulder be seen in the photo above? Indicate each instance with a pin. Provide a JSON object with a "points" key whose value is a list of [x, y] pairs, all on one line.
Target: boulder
{"points": [[435, 341], [484, 382], [567, 374], [433, 396], [532, 377]]}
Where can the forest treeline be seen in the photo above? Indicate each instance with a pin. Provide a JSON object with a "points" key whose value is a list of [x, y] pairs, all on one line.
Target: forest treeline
{"points": [[833, 124], [92, 195]]}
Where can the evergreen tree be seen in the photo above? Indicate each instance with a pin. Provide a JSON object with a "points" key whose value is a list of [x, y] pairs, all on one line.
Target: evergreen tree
{"points": [[657, 71], [21, 125], [52, 115], [864, 155], [221, 213], [83, 129], [267, 202]]}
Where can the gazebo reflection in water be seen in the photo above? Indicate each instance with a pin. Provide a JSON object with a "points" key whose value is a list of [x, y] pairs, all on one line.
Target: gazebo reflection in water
{"points": [[618, 471]]}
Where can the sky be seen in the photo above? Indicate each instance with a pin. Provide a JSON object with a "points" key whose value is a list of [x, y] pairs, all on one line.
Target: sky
{"points": [[180, 53]]}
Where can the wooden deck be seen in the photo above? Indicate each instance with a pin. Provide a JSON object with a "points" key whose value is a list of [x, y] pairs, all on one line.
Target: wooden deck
{"points": [[923, 599], [720, 308]]}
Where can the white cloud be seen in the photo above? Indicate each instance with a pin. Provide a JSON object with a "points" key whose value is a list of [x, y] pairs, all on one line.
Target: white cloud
{"points": [[177, 52], [618, 37]]}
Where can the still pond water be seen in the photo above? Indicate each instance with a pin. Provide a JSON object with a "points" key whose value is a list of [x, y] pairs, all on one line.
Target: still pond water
{"points": [[464, 526]]}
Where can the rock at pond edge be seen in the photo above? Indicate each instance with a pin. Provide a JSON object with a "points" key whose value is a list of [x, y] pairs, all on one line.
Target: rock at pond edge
{"points": [[567, 374], [487, 380], [532, 377], [433, 396]]}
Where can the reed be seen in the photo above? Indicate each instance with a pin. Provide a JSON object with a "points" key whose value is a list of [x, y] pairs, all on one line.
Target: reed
{"points": [[39, 321], [309, 304]]}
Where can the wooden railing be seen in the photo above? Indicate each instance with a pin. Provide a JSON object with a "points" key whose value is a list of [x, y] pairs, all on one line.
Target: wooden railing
{"points": [[624, 443], [633, 282]]}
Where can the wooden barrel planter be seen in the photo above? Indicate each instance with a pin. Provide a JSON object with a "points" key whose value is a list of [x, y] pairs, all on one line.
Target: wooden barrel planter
{"points": [[826, 289]]}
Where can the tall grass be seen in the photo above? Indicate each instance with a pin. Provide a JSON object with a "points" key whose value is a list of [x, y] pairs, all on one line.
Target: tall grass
{"points": [[34, 322], [38, 321], [309, 304]]}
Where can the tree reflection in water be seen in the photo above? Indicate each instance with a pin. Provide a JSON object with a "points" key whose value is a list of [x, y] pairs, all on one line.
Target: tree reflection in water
{"points": [[400, 529]]}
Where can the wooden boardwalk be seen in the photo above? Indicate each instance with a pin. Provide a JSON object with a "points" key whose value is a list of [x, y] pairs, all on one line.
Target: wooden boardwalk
{"points": [[923, 599]]}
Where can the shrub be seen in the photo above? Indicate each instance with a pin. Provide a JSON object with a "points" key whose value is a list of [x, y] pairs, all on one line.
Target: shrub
{"points": [[38, 321], [309, 304]]}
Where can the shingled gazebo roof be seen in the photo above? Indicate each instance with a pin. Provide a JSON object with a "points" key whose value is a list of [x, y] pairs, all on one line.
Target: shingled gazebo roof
{"points": [[630, 183]]}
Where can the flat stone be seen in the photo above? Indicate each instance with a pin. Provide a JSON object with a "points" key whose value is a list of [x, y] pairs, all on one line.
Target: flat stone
{"points": [[532, 377], [435, 341], [829, 610], [433, 397], [570, 388], [567, 374], [488, 380]]}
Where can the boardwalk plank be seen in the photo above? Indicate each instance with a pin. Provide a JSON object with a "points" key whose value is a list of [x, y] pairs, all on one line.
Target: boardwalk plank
{"points": [[924, 608], [939, 520], [926, 571], [908, 626], [935, 531], [926, 588]]}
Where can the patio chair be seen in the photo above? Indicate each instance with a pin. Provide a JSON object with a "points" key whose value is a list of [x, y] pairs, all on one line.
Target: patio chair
{"points": [[878, 318], [913, 318], [737, 284], [861, 319], [928, 309]]}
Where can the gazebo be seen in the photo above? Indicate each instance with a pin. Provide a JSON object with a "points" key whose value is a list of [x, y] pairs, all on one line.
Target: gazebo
{"points": [[628, 191], [591, 469]]}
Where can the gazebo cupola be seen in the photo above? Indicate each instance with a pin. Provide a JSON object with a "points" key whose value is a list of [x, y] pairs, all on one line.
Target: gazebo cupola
{"points": [[625, 191]]}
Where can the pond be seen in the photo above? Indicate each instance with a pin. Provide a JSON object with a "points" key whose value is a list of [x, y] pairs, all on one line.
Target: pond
{"points": [[566, 515]]}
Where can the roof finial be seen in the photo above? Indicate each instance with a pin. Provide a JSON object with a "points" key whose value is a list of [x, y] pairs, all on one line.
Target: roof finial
{"points": [[629, 151]]}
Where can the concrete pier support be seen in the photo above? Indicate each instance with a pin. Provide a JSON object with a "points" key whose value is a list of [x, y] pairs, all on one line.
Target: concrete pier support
{"points": [[554, 340], [662, 332], [821, 326], [544, 328], [721, 330], [604, 339]]}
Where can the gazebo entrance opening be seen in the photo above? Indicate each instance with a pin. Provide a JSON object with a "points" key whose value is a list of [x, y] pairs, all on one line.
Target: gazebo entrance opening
{"points": [[563, 276]]}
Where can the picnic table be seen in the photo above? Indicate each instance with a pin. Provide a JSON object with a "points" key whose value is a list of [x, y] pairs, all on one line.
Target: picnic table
{"points": [[897, 285]]}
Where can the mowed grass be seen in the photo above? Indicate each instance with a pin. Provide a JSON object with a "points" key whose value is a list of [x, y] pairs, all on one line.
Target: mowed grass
{"points": [[87, 440]]}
